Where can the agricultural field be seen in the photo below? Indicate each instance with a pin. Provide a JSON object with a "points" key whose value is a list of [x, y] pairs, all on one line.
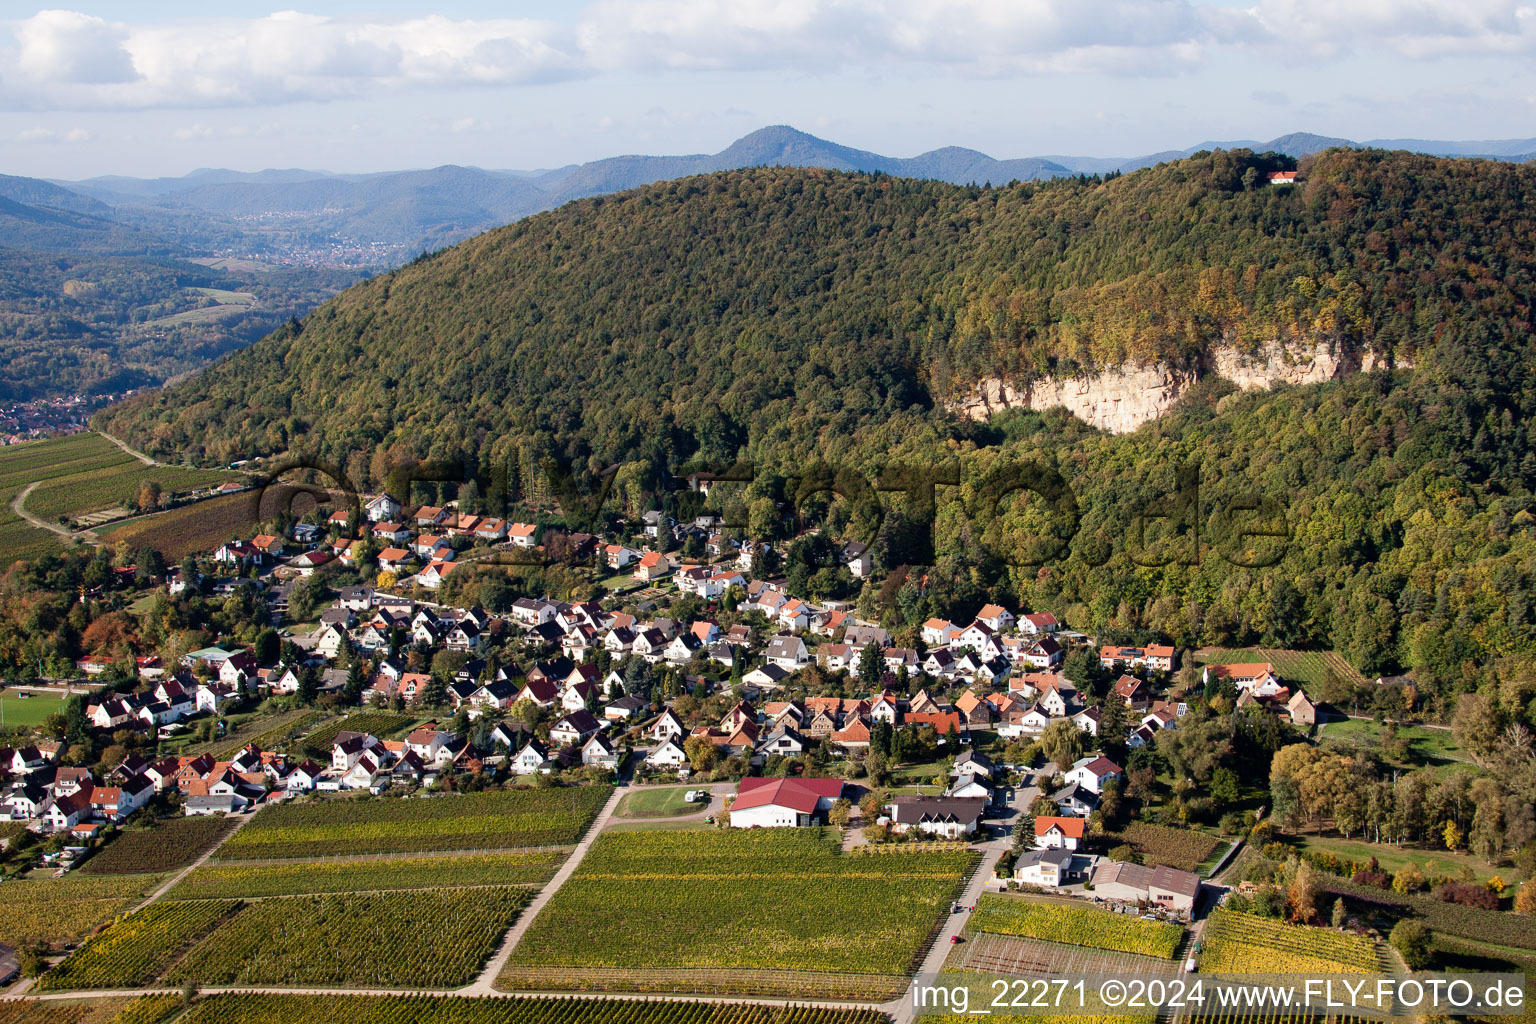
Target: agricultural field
{"points": [[413, 1009], [203, 526], [383, 724], [168, 845], [219, 881], [1431, 862], [1075, 925], [74, 476], [143, 1010], [223, 303], [138, 949], [872, 918], [1236, 943], [30, 711], [1182, 848], [493, 820], [190, 529], [56, 911], [350, 940], [1309, 668]]}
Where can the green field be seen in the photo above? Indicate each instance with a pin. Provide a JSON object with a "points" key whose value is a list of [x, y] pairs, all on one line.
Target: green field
{"points": [[737, 911], [1425, 746], [226, 303], [1392, 858], [660, 802], [1308, 668], [27, 711], [493, 820]]}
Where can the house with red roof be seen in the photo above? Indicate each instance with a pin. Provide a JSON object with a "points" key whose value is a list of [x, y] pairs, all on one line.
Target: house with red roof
{"points": [[783, 803], [1053, 833]]}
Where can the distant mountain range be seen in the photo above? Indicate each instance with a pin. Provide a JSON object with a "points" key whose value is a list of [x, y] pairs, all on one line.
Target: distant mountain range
{"points": [[312, 216]]}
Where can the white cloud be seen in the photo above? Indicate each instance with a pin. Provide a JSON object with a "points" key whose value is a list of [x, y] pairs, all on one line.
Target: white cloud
{"points": [[49, 135], [67, 60], [1409, 28], [71, 61]]}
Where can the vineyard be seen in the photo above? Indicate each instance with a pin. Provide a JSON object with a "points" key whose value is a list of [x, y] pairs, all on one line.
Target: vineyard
{"points": [[416, 1009], [433, 938], [1075, 925], [138, 949], [493, 820], [743, 904], [1236, 943], [1182, 848], [323, 940], [220, 881], [382, 724], [143, 1010], [1009, 954], [189, 529], [1294, 1016], [267, 732], [170, 844], [62, 910]]}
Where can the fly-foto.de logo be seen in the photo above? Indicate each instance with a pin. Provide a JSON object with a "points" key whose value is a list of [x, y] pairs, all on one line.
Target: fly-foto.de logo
{"points": [[1018, 513]]}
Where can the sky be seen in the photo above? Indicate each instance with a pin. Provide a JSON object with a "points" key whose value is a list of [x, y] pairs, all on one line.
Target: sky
{"points": [[162, 88]]}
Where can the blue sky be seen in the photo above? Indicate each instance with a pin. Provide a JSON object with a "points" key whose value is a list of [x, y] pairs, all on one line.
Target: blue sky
{"points": [[158, 88]]}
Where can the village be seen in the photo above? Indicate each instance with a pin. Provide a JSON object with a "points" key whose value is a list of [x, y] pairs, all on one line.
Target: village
{"points": [[813, 714]]}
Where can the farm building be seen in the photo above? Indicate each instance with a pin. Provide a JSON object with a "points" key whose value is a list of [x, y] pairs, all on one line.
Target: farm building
{"points": [[783, 803], [1163, 887]]}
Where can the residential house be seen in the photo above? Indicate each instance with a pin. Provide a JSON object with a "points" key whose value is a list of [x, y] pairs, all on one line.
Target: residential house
{"points": [[1092, 773], [941, 816], [1057, 833]]}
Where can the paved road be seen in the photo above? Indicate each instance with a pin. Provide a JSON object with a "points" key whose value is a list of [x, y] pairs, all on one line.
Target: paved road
{"points": [[485, 985], [902, 1009]]}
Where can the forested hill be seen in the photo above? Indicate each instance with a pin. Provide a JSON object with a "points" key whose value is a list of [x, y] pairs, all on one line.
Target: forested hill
{"points": [[770, 310], [786, 314]]}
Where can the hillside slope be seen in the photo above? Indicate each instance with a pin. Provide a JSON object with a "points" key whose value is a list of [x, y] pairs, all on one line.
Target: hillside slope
{"points": [[713, 313]]}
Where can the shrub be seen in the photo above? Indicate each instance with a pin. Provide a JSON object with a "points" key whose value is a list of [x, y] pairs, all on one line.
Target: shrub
{"points": [[1375, 879], [1411, 939], [1468, 895], [1408, 879]]}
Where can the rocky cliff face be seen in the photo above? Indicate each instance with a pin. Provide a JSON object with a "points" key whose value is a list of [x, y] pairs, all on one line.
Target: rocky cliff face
{"points": [[1121, 400]]}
